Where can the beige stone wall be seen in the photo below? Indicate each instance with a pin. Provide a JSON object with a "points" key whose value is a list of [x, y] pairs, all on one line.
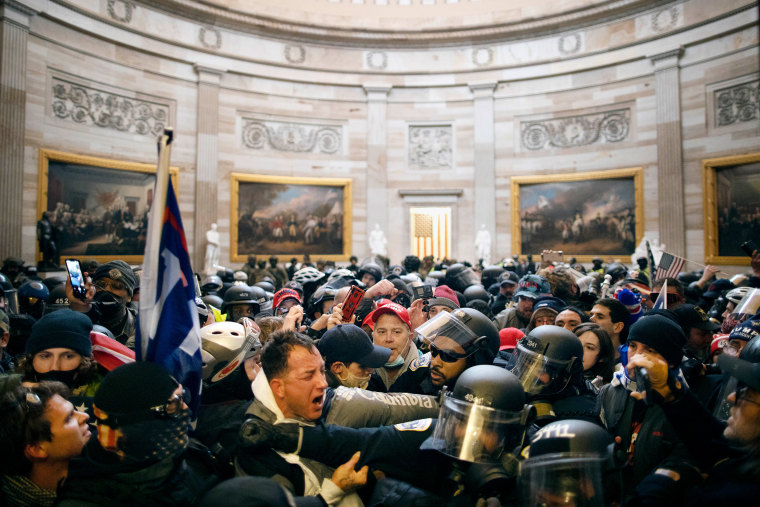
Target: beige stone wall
{"points": [[144, 54]]}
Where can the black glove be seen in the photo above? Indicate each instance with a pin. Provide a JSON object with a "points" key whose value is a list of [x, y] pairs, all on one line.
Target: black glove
{"points": [[258, 434]]}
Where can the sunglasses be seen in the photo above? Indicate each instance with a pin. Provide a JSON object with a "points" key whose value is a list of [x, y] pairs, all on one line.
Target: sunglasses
{"points": [[671, 298], [741, 397], [447, 356]]}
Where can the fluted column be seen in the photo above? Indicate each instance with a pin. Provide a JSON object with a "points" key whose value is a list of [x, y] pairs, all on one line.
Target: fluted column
{"points": [[377, 157], [485, 191], [670, 199], [14, 30], [207, 158]]}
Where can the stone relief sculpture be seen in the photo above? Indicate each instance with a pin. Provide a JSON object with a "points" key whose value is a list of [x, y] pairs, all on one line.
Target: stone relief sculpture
{"points": [[301, 138], [430, 147], [574, 131]]}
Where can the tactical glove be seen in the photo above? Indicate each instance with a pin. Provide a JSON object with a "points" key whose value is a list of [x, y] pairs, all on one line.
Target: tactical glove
{"points": [[258, 434]]}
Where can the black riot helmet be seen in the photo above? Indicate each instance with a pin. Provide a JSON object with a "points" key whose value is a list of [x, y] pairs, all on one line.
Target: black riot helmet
{"points": [[472, 330], [372, 269], [546, 360], [459, 277], [213, 300], [490, 275], [617, 271], [321, 295], [484, 416], [57, 299], [267, 286], [341, 278], [435, 278], [566, 464], [474, 292], [241, 295]]}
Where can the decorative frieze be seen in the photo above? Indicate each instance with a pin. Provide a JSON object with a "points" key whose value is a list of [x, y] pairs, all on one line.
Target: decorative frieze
{"points": [[430, 146], [210, 37], [569, 44], [297, 137], [574, 131], [89, 106], [482, 57], [377, 60], [736, 104], [120, 10], [295, 54]]}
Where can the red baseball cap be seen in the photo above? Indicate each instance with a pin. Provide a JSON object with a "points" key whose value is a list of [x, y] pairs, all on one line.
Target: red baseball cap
{"points": [[283, 294], [508, 338], [392, 308]]}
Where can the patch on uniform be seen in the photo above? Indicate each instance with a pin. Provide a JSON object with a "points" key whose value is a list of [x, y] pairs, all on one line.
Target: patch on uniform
{"points": [[421, 362], [421, 425]]}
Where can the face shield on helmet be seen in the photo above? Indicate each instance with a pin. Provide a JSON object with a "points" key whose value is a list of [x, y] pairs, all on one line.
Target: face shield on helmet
{"points": [[746, 308], [446, 325], [462, 279], [540, 374], [225, 345], [562, 479], [476, 433]]}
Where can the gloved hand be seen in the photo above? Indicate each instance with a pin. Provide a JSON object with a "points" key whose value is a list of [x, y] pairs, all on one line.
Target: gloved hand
{"points": [[662, 380], [258, 434]]}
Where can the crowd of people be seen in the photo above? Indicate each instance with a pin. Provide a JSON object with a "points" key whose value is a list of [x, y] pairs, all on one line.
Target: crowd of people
{"points": [[438, 383]]}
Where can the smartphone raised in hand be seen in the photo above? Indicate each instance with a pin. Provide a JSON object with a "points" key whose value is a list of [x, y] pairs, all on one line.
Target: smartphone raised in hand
{"points": [[749, 247], [77, 278], [352, 301]]}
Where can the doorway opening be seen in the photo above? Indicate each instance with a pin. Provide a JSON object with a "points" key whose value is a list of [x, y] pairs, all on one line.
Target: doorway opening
{"points": [[431, 232]]}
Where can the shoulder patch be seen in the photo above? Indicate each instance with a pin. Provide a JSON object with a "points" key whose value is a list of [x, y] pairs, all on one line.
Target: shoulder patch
{"points": [[420, 425], [421, 362]]}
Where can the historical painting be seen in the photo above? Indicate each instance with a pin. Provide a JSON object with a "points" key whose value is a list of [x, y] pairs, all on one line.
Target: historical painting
{"points": [[731, 207], [98, 207], [286, 216], [582, 214]]}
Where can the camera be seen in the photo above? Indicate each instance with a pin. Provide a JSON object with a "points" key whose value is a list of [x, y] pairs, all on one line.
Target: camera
{"points": [[423, 291]]}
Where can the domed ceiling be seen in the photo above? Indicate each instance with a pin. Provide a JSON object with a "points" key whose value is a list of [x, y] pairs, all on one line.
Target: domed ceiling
{"points": [[405, 22]]}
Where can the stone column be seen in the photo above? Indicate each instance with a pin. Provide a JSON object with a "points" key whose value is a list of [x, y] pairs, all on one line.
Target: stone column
{"points": [[14, 30], [377, 159], [485, 191], [207, 158], [670, 200]]}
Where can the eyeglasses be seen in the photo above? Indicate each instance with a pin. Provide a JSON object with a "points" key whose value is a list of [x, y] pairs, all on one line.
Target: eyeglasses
{"points": [[447, 356], [109, 285], [740, 396]]}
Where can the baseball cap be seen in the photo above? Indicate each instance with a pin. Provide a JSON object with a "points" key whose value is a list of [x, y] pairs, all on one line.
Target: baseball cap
{"points": [[444, 296], [508, 278], [690, 316], [348, 343], [508, 338], [533, 286], [550, 302], [719, 341], [283, 294], [718, 286], [745, 331], [392, 308]]}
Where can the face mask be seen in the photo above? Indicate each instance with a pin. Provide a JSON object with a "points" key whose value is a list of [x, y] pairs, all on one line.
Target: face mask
{"points": [[109, 306], [151, 440], [67, 377], [352, 380], [400, 359]]}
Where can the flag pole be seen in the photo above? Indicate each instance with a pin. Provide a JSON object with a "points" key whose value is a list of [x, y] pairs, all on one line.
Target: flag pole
{"points": [[152, 243]]}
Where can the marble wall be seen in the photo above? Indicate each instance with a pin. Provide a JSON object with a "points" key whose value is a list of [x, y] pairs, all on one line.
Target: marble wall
{"points": [[639, 90]]}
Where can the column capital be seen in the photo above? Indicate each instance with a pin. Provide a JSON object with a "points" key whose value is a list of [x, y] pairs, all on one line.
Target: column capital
{"points": [[17, 12], [666, 59], [377, 92], [208, 74], [482, 90]]}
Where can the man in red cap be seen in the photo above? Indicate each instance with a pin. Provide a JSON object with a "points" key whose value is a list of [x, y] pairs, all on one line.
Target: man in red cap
{"points": [[391, 328]]}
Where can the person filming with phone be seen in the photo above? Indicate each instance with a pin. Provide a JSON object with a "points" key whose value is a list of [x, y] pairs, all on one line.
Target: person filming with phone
{"points": [[106, 299]]}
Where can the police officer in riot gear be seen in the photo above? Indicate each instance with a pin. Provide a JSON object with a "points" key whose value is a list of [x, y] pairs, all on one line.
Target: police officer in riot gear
{"points": [[465, 454], [549, 364]]}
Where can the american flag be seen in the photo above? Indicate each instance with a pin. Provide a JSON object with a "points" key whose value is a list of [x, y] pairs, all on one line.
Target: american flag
{"points": [[168, 332], [669, 267]]}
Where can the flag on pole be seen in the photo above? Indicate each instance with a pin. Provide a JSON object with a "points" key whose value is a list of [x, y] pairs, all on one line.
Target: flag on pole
{"points": [[168, 332], [662, 298], [670, 265], [650, 269]]}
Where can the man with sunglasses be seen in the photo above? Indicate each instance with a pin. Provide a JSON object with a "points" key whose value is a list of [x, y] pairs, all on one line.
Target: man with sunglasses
{"points": [[458, 340], [675, 294], [107, 300], [726, 452], [142, 454]]}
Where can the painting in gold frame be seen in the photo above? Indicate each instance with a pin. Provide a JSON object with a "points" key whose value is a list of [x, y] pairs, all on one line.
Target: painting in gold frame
{"points": [[289, 217], [731, 207], [585, 215], [98, 206]]}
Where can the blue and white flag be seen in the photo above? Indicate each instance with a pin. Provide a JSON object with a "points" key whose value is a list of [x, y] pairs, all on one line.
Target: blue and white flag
{"points": [[662, 298], [168, 332]]}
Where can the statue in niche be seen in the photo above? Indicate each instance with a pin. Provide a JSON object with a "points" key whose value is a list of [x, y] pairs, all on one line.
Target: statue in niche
{"points": [[483, 245], [212, 251], [48, 247], [377, 242]]}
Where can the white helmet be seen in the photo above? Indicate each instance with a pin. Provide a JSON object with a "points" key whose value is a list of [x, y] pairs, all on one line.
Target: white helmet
{"points": [[224, 346], [737, 294], [307, 274]]}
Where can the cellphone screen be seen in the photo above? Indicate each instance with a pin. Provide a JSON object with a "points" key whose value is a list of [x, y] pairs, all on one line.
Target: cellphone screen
{"points": [[77, 278]]}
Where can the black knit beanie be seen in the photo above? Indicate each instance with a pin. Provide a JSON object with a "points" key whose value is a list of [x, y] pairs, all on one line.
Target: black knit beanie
{"points": [[61, 328], [134, 387], [662, 334], [119, 271]]}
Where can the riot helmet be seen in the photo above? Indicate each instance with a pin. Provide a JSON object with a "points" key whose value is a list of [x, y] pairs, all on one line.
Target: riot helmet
{"points": [[370, 268], [57, 299], [617, 271], [211, 284], [341, 278], [746, 308], [459, 277], [267, 286], [566, 465], [32, 298], [546, 360], [213, 300], [469, 328], [474, 292], [322, 295], [435, 278], [484, 416], [490, 275]]}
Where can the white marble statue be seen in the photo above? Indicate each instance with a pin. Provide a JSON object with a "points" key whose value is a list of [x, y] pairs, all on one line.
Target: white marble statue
{"points": [[212, 251], [377, 242], [483, 245]]}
